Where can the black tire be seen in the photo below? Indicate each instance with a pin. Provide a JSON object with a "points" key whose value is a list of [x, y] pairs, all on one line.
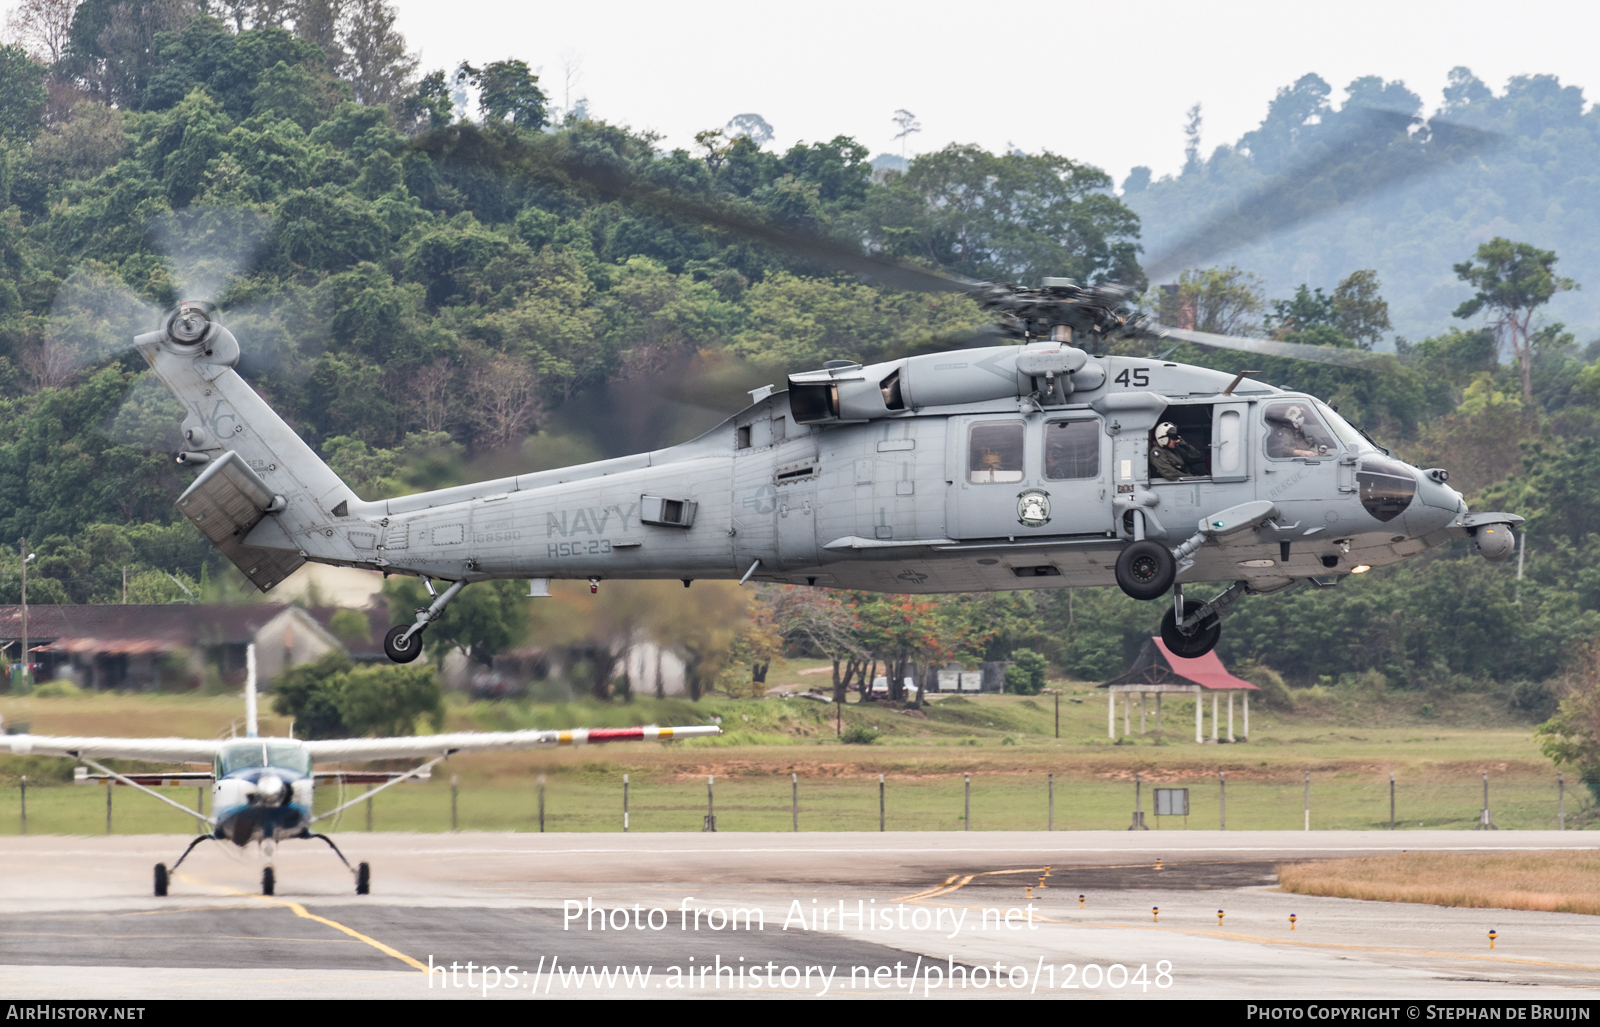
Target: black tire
{"points": [[269, 881], [161, 879], [402, 651], [363, 878], [1145, 569], [1201, 641]]}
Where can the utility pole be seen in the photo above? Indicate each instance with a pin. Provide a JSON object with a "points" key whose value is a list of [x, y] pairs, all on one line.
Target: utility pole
{"points": [[26, 679]]}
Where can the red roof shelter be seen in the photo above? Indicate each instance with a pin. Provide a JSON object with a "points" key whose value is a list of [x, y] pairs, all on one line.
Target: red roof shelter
{"points": [[1157, 671]]}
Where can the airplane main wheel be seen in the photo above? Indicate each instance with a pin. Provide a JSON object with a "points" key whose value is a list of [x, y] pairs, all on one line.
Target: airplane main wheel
{"points": [[399, 648], [1200, 641], [363, 879], [269, 881], [161, 878], [1145, 569]]}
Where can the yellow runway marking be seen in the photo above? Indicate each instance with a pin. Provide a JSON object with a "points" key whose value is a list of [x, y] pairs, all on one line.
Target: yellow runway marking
{"points": [[957, 881], [304, 914]]}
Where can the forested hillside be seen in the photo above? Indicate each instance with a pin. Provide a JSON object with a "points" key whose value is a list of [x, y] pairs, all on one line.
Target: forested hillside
{"points": [[1536, 179], [426, 303]]}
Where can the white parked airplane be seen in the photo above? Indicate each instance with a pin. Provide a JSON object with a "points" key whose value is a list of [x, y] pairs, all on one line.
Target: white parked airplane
{"points": [[261, 788]]}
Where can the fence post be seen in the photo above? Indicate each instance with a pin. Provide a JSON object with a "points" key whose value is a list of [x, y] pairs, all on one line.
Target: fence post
{"points": [[1058, 713], [541, 804], [454, 781], [200, 800], [1050, 825], [966, 811], [711, 806], [624, 803], [1561, 804], [1391, 800], [369, 809], [1485, 821], [1308, 800], [24, 803], [794, 799], [880, 802], [109, 783], [1222, 785]]}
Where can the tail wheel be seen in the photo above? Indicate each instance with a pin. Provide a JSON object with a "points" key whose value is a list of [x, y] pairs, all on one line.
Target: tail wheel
{"points": [[1145, 569], [269, 882], [161, 879], [363, 878], [399, 648], [1200, 640]]}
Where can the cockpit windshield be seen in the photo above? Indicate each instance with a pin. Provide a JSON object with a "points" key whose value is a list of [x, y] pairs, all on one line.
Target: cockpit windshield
{"points": [[263, 752], [1348, 435]]}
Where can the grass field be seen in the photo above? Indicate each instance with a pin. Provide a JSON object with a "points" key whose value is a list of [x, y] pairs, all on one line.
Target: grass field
{"points": [[1556, 882], [1006, 744]]}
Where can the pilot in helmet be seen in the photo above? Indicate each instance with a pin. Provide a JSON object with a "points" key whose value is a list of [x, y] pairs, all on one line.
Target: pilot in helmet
{"points": [[1172, 457], [1288, 436]]}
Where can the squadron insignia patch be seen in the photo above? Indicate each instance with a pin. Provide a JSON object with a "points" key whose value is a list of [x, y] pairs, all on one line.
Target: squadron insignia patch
{"points": [[1033, 507]]}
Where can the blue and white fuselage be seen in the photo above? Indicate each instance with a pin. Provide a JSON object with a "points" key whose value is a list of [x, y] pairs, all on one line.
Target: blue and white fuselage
{"points": [[262, 790]]}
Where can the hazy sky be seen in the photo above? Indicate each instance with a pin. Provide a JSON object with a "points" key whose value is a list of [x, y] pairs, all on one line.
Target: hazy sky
{"points": [[1107, 83]]}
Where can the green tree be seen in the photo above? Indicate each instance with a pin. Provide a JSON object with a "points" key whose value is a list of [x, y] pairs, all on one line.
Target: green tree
{"points": [[22, 93], [1572, 736], [1513, 279], [333, 698], [1026, 675], [1013, 217], [508, 91]]}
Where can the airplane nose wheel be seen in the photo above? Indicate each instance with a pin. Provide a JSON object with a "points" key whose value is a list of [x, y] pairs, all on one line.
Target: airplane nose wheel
{"points": [[1201, 639]]}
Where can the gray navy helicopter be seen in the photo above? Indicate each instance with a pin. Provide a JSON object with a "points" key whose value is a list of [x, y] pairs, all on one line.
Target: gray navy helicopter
{"points": [[1025, 462]]}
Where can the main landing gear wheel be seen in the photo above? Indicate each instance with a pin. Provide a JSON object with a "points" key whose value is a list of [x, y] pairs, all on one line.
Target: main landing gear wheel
{"points": [[268, 881], [399, 648], [161, 878], [1200, 641], [363, 879], [1145, 569]]}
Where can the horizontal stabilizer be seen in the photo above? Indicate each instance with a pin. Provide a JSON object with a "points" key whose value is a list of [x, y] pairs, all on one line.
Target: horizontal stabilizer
{"points": [[225, 502]]}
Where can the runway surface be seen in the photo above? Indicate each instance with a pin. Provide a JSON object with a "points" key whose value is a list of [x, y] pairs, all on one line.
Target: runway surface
{"points": [[933, 914]]}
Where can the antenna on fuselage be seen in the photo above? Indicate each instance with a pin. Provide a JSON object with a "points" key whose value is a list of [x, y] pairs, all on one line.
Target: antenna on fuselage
{"points": [[250, 690]]}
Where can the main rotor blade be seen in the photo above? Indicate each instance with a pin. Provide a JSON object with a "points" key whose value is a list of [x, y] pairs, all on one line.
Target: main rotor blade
{"points": [[1359, 358], [841, 256], [1284, 202], [603, 173]]}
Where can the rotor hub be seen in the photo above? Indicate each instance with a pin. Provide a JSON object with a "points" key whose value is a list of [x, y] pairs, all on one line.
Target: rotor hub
{"points": [[189, 324]]}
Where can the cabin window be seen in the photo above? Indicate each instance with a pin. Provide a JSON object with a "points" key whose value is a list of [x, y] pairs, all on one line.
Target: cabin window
{"points": [[1295, 430], [994, 453], [1230, 439], [744, 437], [1072, 449]]}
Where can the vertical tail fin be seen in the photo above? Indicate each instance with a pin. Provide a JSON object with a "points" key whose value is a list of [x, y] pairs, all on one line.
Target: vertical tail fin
{"points": [[275, 504]]}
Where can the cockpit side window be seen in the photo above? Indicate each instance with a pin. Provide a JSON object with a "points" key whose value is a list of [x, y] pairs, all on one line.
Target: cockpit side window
{"points": [[1295, 430], [994, 453]]}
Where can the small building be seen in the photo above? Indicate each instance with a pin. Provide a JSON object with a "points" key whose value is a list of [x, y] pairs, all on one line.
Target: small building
{"points": [[1157, 672], [149, 648]]}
